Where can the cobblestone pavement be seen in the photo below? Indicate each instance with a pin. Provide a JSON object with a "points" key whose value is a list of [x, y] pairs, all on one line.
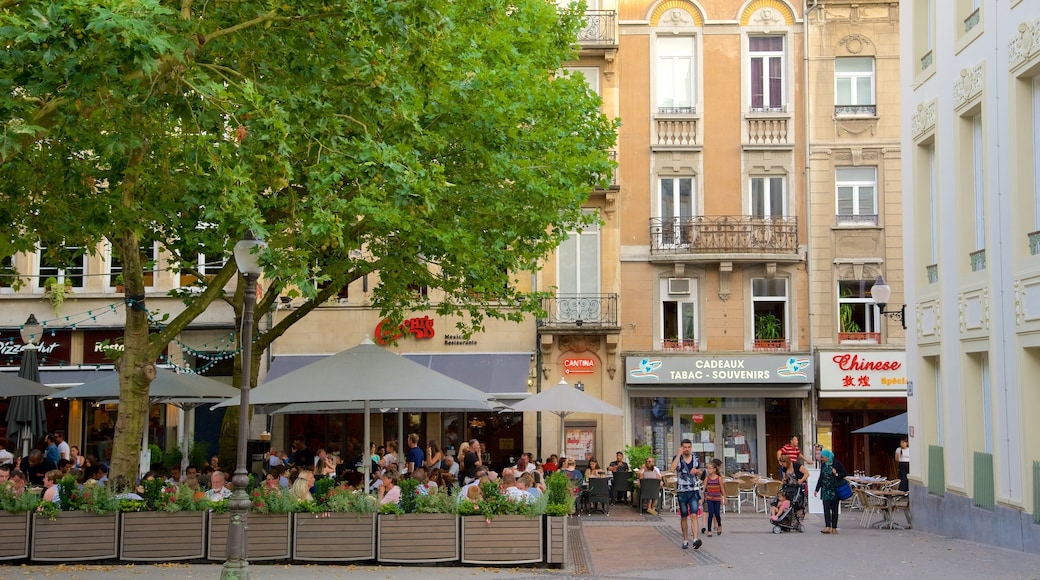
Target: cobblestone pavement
{"points": [[629, 545]]}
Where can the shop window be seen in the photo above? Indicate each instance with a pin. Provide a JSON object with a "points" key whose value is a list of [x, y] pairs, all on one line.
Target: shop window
{"points": [[857, 315], [767, 73], [770, 316], [65, 264]]}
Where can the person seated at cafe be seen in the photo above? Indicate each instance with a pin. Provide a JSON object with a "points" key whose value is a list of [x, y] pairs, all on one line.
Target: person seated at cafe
{"points": [[473, 494], [64, 466], [571, 470], [324, 464], [436, 480], [482, 476], [419, 475], [192, 483], [18, 482], [50, 485], [36, 466], [510, 488], [5, 473], [451, 466], [218, 489], [301, 488], [6, 457], [594, 470], [550, 466], [650, 471], [523, 464], [527, 483], [389, 492], [618, 464]]}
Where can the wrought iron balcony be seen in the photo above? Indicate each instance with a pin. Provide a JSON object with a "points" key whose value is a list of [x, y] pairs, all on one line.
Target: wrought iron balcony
{"points": [[584, 311], [679, 345], [727, 234], [600, 29], [855, 110]]}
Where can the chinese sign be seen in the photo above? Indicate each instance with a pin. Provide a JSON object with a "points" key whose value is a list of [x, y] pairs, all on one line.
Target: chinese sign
{"points": [[851, 373], [420, 328]]}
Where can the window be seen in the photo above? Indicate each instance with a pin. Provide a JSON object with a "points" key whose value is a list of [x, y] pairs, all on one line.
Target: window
{"points": [[678, 317], [767, 73], [66, 264], [7, 272], [577, 275], [207, 266], [857, 314], [677, 204], [589, 73], [767, 197], [769, 307], [854, 86], [856, 194], [978, 167], [675, 93], [150, 257], [924, 33]]}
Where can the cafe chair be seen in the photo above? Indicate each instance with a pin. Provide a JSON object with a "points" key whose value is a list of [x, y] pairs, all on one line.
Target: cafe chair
{"points": [[872, 504], [622, 484], [766, 491], [599, 495], [670, 493], [746, 485], [731, 489], [648, 489]]}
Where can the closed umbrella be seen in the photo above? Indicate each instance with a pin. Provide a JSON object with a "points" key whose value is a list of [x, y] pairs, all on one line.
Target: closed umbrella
{"points": [[563, 400], [26, 416], [898, 425]]}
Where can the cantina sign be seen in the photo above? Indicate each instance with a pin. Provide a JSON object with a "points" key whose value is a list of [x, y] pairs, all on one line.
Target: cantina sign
{"points": [[420, 328]]}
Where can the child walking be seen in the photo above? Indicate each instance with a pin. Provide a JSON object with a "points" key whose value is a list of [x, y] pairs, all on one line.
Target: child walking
{"points": [[713, 496]]}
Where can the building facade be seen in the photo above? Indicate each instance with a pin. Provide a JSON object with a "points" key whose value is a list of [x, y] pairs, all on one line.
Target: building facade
{"points": [[856, 224], [971, 144], [713, 237]]}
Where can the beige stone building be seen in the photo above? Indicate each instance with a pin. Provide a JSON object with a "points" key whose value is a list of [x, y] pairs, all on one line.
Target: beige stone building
{"points": [[855, 220]]}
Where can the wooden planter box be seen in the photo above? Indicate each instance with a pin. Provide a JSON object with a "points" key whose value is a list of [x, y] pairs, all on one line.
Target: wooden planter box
{"points": [[416, 538], [334, 537], [162, 536], [504, 540], [555, 539], [268, 538], [75, 536], [14, 536]]}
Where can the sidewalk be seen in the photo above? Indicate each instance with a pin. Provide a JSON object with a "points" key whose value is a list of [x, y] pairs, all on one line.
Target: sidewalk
{"points": [[629, 545]]}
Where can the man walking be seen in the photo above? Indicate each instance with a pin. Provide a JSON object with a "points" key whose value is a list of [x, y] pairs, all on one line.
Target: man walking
{"points": [[688, 477], [416, 458]]}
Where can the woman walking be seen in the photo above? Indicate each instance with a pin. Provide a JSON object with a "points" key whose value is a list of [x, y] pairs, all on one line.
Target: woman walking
{"points": [[831, 476]]}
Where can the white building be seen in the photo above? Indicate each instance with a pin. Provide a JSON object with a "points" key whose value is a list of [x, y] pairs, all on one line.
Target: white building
{"points": [[971, 147]]}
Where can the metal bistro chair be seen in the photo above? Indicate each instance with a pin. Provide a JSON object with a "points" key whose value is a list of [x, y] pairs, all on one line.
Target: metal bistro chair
{"points": [[854, 502], [766, 492], [746, 486], [872, 504], [599, 495], [731, 489], [649, 489], [622, 484], [669, 491]]}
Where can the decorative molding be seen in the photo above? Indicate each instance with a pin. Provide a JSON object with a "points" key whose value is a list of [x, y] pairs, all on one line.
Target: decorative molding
{"points": [[857, 128], [856, 43], [969, 87], [767, 13], [578, 342], [1025, 46], [676, 13], [924, 119], [725, 269]]}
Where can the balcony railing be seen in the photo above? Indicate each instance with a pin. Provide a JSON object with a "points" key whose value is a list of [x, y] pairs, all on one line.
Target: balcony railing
{"points": [[676, 127], [972, 20], [852, 219], [724, 234], [932, 271], [855, 110], [926, 60], [679, 345], [1034, 243], [772, 345], [600, 29], [978, 260], [767, 127], [580, 310], [871, 337]]}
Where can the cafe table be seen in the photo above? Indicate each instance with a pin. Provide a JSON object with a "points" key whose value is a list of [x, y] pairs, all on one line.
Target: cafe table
{"points": [[892, 497]]}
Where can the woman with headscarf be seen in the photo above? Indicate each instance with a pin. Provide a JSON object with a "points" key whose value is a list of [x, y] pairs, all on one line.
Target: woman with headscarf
{"points": [[831, 476]]}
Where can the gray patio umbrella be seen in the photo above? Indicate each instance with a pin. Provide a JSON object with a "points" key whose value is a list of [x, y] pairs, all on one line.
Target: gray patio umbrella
{"points": [[370, 375], [562, 400], [897, 425], [184, 390], [11, 385], [26, 416]]}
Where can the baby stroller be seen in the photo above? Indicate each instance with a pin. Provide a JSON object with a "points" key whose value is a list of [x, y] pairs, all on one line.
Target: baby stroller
{"points": [[791, 519]]}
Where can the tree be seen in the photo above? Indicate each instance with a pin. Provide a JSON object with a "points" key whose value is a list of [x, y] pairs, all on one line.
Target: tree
{"points": [[433, 142]]}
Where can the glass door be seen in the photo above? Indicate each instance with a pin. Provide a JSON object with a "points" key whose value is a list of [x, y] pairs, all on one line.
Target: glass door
{"points": [[700, 428], [740, 438]]}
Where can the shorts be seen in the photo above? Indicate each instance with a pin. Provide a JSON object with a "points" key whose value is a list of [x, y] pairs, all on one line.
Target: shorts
{"points": [[688, 501]]}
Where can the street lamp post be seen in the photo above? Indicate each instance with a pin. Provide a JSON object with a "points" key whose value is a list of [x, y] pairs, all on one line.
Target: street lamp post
{"points": [[31, 333], [881, 292], [236, 566]]}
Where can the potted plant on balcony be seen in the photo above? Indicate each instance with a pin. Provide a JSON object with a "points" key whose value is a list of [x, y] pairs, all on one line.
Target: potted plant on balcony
{"points": [[338, 525], [269, 522], [431, 517], [559, 495], [57, 292], [15, 511], [82, 525], [168, 524], [769, 332], [502, 530]]}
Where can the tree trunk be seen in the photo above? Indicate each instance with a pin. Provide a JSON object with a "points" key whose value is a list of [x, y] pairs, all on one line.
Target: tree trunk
{"points": [[136, 368]]}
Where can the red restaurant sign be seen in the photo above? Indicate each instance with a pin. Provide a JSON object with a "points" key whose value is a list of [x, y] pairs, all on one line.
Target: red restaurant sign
{"points": [[583, 365], [421, 328]]}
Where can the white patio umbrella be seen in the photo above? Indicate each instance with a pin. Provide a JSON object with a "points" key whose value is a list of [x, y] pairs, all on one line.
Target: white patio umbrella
{"points": [[369, 375], [562, 400]]}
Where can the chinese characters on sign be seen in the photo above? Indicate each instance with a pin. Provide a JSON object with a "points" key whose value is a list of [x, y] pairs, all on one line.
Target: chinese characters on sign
{"points": [[421, 328], [854, 372]]}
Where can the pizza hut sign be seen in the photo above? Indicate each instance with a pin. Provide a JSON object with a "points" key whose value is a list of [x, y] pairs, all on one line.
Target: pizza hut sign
{"points": [[420, 328]]}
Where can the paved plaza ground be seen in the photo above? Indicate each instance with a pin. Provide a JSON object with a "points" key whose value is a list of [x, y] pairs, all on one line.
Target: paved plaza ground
{"points": [[629, 545]]}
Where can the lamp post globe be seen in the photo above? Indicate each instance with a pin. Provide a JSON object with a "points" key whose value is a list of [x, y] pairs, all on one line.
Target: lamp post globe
{"points": [[31, 331], [236, 565]]}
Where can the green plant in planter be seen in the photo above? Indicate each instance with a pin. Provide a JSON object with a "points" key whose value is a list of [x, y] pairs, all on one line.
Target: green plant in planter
{"points": [[57, 292], [559, 494], [154, 493], [94, 498], [637, 456], [172, 457], [408, 494], [268, 500], [440, 501], [495, 503], [390, 509], [185, 499], [848, 321], [18, 503], [768, 327]]}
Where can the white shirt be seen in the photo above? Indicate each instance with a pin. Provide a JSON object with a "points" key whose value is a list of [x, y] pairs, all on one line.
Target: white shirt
{"points": [[63, 450], [903, 454], [6, 457], [218, 494], [454, 469]]}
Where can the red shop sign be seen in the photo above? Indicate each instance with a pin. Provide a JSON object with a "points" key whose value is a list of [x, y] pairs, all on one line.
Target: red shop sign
{"points": [[698, 418], [421, 328], [583, 365]]}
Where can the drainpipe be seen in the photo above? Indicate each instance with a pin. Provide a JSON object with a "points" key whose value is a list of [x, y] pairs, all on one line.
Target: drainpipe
{"points": [[806, 11], [537, 374]]}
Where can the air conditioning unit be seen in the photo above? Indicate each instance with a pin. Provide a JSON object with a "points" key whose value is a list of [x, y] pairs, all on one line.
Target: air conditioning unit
{"points": [[679, 285]]}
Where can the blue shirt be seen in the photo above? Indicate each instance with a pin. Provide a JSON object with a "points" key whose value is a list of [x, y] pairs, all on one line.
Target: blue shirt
{"points": [[52, 454], [417, 457]]}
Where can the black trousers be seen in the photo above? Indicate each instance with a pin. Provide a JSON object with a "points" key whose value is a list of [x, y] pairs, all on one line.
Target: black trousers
{"points": [[904, 476], [830, 513]]}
